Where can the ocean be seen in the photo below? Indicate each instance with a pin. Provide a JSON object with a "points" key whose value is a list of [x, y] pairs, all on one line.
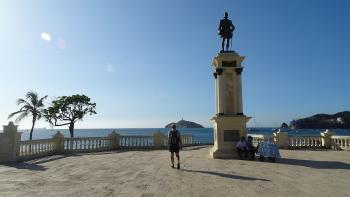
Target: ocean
{"points": [[204, 135]]}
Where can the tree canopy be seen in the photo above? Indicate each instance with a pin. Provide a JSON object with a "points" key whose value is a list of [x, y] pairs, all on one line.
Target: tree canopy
{"points": [[66, 110]]}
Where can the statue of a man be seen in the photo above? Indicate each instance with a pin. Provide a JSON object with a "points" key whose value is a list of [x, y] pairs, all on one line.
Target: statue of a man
{"points": [[226, 29]]}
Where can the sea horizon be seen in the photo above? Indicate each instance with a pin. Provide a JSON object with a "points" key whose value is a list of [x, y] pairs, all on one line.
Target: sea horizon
{"points": [[199, 134]]}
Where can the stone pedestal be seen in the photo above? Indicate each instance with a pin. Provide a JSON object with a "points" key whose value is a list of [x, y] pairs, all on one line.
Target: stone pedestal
{"points": [[229, 124], [9, 143], [326, 138], [227, 131], [114, 137], [281, 138], [58, 138]]}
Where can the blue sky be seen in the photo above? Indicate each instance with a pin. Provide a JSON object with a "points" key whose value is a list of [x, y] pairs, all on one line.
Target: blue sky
{"points": [[147, 63]]}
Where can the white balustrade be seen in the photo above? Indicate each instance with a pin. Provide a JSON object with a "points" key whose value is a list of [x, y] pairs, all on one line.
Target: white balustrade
{"points": [[44, 147], [87, 144], [305, 142], [294, 142], [187, 140], [340, 142], [136, 141], [35, 148]]}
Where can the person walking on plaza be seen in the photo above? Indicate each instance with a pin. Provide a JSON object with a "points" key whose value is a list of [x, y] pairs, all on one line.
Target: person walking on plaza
{"points": [[175, 144]]}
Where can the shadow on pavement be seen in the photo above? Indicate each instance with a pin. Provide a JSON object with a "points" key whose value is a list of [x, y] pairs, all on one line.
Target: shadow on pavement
{"points": [[26, 166], [33, 165], [315, 164], [190, 148], [230, 176]]}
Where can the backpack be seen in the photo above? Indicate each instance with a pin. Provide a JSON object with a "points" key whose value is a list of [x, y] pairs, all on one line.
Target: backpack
{"points": [[174, 139]]}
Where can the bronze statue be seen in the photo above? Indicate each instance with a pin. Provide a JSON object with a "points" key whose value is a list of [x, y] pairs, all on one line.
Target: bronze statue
{"points": [[226, 29]]}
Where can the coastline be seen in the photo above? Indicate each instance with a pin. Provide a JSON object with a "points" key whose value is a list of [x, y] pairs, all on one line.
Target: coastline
{"points": [[204, 134]]}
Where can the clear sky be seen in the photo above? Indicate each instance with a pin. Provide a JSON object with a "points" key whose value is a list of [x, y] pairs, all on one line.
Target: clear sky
{"points": [[147, 63]]}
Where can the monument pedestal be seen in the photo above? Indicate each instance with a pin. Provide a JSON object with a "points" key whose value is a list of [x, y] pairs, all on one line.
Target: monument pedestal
{"points": [[229, 124], [227, 131]]}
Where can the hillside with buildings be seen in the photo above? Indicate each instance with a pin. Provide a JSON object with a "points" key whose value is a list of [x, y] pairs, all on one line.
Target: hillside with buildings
{"points": [[340, 120]]}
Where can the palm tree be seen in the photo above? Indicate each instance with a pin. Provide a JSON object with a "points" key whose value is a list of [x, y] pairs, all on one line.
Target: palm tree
{"points": [[32, 106]]}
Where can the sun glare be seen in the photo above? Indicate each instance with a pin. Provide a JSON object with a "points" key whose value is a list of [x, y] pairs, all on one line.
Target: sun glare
{"points": [[45, 36]]}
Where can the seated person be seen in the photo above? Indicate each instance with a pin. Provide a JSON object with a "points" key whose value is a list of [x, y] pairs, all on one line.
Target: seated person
{"points": [[242, 148], [250, 147]]}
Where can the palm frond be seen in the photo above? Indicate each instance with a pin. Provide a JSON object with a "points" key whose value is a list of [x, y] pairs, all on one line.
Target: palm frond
{"points": [[33, 97], [22, 101], [26, 108], [15, 113], [41, 102], [21, 116]]}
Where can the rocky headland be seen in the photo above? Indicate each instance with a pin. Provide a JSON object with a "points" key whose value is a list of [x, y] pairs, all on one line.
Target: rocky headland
{"points": [[340, 120]]}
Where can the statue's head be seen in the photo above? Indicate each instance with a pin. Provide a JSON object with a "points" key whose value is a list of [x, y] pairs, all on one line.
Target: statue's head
{"points": [[226, 15]]}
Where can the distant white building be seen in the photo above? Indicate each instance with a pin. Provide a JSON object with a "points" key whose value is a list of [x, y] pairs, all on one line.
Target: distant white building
{"points": [[340, 120]]}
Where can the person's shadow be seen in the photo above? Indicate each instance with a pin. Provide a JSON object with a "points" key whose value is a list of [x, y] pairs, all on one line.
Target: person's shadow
{"points": [[230, 176]]}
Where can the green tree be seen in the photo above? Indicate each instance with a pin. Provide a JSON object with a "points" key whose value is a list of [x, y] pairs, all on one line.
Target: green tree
{"points": [[67, 110], [31, 106]]}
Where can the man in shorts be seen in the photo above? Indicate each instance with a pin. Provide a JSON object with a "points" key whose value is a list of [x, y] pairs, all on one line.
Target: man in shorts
{"points": [[175, 144]]}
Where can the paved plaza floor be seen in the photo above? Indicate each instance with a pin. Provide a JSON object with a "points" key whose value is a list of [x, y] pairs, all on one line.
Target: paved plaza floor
{"points": [[148, 173]]}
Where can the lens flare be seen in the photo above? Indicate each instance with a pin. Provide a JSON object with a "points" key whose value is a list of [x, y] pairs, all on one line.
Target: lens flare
{"points": [[45, 36]]}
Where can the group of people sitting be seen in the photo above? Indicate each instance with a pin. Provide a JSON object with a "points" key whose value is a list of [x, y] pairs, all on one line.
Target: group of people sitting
{"points": [[246, 148]]}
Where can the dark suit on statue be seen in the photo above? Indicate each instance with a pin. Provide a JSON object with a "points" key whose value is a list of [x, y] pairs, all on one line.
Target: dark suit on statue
{"points": [[225, 31]]}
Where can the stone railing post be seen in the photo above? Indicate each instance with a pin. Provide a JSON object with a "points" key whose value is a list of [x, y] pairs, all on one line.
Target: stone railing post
{"points": [[58, 139], [114, 137], [326, 138], [158, 139], [281, 139], [9, 143]]}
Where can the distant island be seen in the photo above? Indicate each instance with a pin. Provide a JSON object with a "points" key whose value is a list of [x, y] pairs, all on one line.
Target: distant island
{"points": [[284, 125], [184, 124], [340, 120]]}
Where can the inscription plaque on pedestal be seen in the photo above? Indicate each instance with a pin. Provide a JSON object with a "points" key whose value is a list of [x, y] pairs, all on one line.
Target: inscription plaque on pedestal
{"points": [[231, 135]]}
